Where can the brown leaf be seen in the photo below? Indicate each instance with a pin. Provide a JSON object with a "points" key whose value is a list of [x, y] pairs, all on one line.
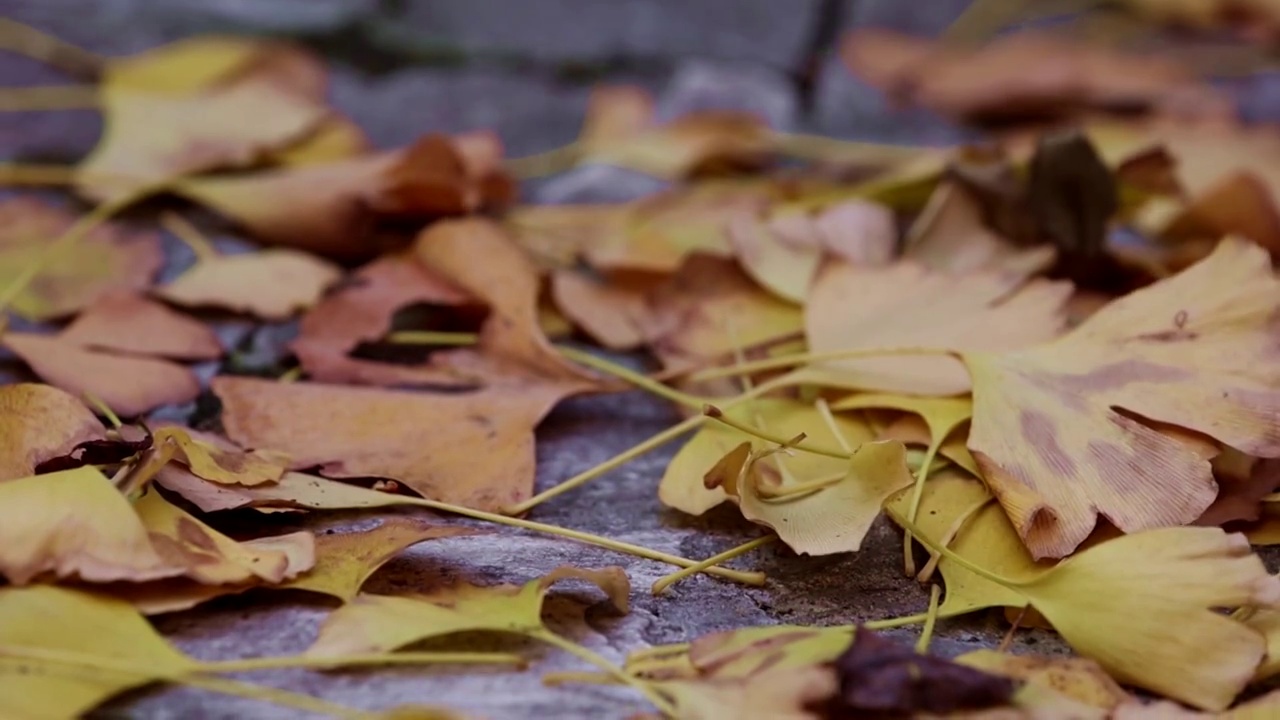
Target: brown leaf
{"points": [[361, 310], [879, 676], [39, 423], [106, 260], [1025, 74], [130, 386], [131, 324], [443, 175], [615, 312], [1243, 482], [473, 449], [270, 284]]}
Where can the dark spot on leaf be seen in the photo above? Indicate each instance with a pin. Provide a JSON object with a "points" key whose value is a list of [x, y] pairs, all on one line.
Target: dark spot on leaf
{"points": [[1040, 432]]}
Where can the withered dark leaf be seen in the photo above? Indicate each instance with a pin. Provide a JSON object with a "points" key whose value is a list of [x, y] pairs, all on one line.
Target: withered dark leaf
{"points": [[96, 452], [879, 678]]}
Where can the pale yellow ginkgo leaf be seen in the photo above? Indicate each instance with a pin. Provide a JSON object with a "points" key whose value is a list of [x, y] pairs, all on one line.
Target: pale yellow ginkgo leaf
{"points": [[219, 460], [382, 623], [905, 306], [74, 524], [912, 430], [1267, 622], [1064, 431], [832, 519], [682, 485], [41, 622], [345, 560], [777, 262], [293, 490], [1079, 679], [943, 415], [746, 652], [39, 423], [271, 284]]}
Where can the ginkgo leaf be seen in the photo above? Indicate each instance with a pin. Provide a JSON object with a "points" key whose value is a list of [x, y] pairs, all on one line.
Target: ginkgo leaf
{"points": [[952, 504], [1189, 351], [829, 520], [271, 284], [107, 259], [39, 423], [293, 490], [1267, 622], [786, 693], [186, 66], [345, 560], [904, 306], [443, 175], [150, 137], [361, 310], [617, 314], [1080, 679], [746, 652], [128, 385], [210, 557], [942, 415], [46, 621], [131, 324], [778, 263], [912, 430], [382, 623], [855, 231], [474, 449], [218, 460], [682, 485], [74, 524]]}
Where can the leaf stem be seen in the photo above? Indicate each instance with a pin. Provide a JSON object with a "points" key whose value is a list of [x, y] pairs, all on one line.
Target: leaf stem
{"points": [[102, 408], [324, 663], [651, 694], [950, 535], [544, 163], [667, 581], [25, 40], [190, 236], [718, 415], [896, 622], [786, 361], [749, 578], [950, 554], [931, 619], [43, 99], [917, 492]]}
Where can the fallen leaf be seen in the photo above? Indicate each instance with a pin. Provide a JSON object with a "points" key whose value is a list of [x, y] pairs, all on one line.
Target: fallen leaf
{"points": [[912, 430], [941, 415], [1258, 20], [186, 66], [43, 620], [620, 130], [830, 520], [335, 138], [1243, 483], [345, 560], [879, 676], [361, 310], [748, 652], [443, 175], [474, 449], [382, 623], [1026, 74], [39, 423], [904, 306], [107, 451], [856, 231], [108, 259], [774, 694], [1188, 351], [615, 313], [209, 557], [1080, 679], [215, 459], [682, 485], [130, 386], [130, 324], [780, 265], [271, 284], [560, 234], [293, 490], [74, 524]]}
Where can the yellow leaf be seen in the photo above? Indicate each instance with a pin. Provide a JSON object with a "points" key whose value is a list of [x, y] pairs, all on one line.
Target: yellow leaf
{"points": [[345, 560], [1267, 622], [107, 259], [210, 557], [1192, 351], [39, 423], [780, 265], [292, 490], [41, 621], [218, 460], [942, 415], [74, 524], [746, 652], [189, 65], [1080, 679], [905, 306], [786, 693], [682, 485], [271, 284], [829, 520], [382, 623]]}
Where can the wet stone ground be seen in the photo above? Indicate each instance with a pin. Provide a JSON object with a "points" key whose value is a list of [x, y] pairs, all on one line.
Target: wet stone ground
{"points": [[403, 67]]}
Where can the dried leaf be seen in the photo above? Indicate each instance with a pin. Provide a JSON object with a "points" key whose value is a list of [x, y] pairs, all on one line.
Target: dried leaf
{"points": [[217, 460], [1080, 679], [130, 386], [74, 524], [616, 313], [361, 310], [748, 652], [271, 284], [43, 619], [682, 485], [130, 324], [382, 623], [1025, 74], [442, 175], [942, 415], [39, 423], [905, 306], [293, 490], [880, 676], [774, 694], [781, 266], [1243, 483], [474, 449], [1190, 351], [107, 259], [345, 560], [831, 520]]}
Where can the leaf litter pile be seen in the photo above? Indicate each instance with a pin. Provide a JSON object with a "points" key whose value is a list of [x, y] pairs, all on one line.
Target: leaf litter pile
{"points": [[1050, 357]]}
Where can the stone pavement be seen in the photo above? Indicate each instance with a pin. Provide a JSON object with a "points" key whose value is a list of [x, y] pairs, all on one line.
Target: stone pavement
{"points": [[524, 68]]}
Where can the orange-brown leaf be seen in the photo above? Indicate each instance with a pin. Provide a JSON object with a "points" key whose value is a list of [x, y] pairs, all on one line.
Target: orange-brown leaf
{"points": [[39, 423], [131, 324]]}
